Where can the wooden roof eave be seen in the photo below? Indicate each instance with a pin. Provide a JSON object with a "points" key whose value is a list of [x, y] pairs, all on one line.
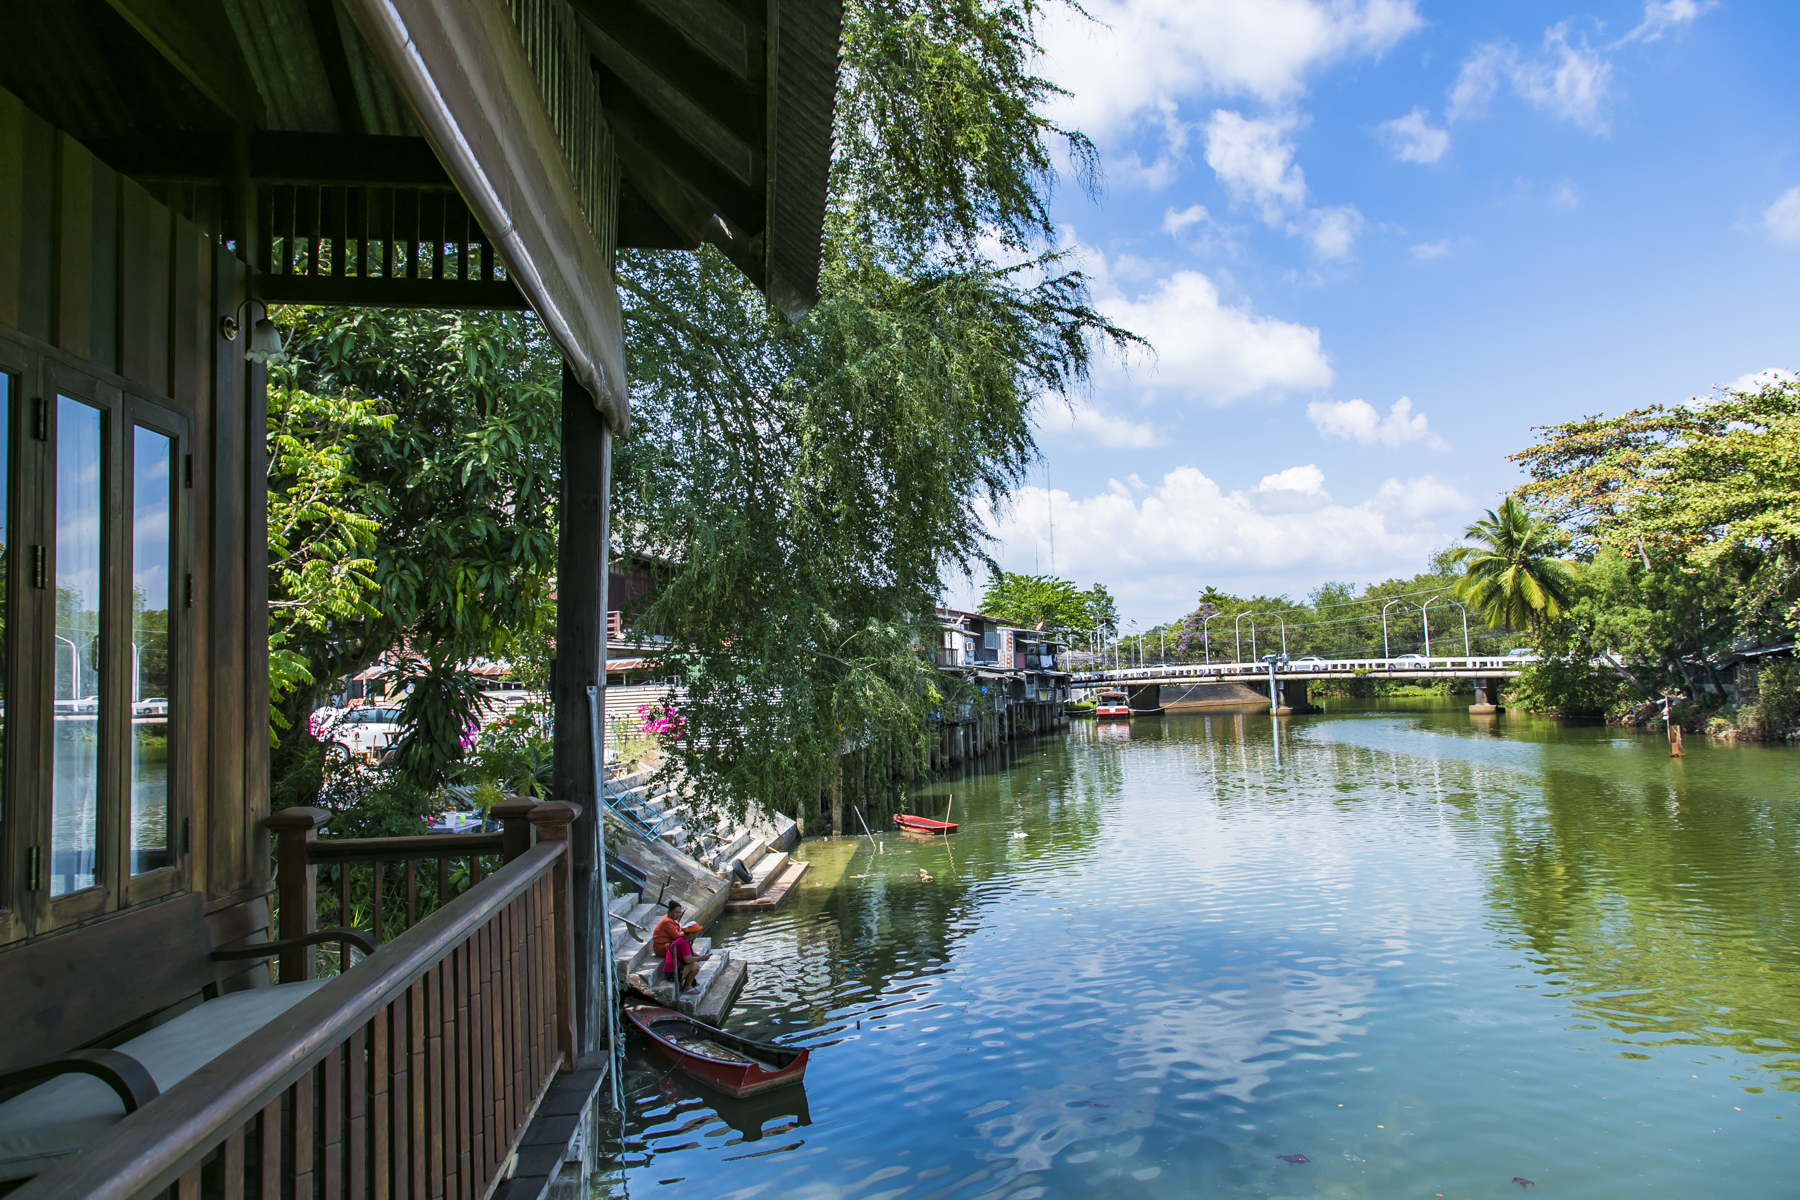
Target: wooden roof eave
{"points": [[461, 68]]}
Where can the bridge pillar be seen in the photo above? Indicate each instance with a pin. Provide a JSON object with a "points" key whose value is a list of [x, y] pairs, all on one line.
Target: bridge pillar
{"points": [[1290, 697], [1487, 697], [1145, 698]]}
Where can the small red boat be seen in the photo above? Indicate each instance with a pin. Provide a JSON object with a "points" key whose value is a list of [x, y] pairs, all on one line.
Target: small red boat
{"points": [[923, 824], [735, 1065], [1112, 706]]}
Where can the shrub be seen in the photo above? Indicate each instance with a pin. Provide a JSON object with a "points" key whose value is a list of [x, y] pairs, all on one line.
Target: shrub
{"points": [[1567, 688]]}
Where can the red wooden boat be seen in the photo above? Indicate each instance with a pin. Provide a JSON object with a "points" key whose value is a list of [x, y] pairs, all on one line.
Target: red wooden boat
{"points": [[735, 1065], [923, 824]]}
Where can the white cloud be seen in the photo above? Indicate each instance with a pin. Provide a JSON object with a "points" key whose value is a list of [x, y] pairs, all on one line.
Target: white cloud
{"points": [[1357, 420], [1205, 348], [1427, 251], [1782, 218], [1188, 531], [1565, 196], [1174, 222], [1660, 16], [1567, 79], [1756, 380], [1255, 162], [1134, 55], [1413, 138], [1332, 231], [1085, 422]]}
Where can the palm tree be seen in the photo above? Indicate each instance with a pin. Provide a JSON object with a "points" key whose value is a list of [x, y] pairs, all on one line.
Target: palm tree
{"points": [[1510, 573]]}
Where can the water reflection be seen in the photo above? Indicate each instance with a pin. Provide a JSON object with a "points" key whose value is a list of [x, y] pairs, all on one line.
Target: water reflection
{"points": [[1425, 952]]}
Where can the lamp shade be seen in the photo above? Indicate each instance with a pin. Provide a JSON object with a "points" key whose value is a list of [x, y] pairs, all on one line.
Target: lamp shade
{"points": [[265, 343]]}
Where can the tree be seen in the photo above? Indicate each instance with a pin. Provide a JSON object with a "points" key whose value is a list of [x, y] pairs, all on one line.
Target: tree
{"points": [[1510, 573], [1036, 602], [1713, 484], [413, 478], [813, 480]]}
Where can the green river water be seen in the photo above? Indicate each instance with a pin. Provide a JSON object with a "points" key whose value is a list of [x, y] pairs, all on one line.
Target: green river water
{"points": [[1429, 952]]}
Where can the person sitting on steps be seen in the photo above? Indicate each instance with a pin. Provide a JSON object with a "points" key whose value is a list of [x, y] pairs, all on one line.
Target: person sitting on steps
{"points": [[671, 941]]}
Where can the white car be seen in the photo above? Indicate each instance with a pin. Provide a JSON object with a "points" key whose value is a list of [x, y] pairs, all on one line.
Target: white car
{"points": [[360, 731], [1411, 658], [1311, 662], [1522, 654], [151, 706]]}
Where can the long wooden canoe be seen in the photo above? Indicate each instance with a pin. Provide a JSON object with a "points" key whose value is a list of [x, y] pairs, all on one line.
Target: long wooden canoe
{"points": [[923, 824], [735, 1065]]}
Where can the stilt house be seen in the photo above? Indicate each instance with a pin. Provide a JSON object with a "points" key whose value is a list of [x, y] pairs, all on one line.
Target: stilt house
{"points": [[168, 169]]}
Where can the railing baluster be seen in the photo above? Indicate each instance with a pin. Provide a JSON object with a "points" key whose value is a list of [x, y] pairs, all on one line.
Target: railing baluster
{"points": [[415, 1039], [465, 1142], [300, 1120], [377, 926], [331, 1122], [356, 1154], [344, 914], [231, 1165], [443, 896], [268, 1152], [434, 1120], [412, 889], [188, 1186], [381, 1169]]}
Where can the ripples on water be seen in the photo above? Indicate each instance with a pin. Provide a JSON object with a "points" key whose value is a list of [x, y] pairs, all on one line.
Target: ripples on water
{"points": [[1426, 951]]}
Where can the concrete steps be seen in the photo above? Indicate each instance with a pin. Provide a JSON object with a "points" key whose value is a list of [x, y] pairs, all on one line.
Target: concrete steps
{"points": [[767, 868], [780, 889]]}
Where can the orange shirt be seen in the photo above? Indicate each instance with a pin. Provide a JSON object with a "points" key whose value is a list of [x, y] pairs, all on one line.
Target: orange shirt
{"points": [[666, 931]]}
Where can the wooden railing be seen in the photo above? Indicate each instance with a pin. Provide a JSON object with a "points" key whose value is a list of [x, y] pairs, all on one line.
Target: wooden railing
{"points": [[378, 882], [413, 1074]]}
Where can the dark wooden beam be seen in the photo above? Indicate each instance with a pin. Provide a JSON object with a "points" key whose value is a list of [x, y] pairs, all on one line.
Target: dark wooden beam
{"points": [[206, 54], [716, 111], [352, 291], [581, 664], [719, 193], [322, 14], [276, 157]]}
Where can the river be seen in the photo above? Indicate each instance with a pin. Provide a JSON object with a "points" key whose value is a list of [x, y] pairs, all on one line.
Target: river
{"points": [[1434, 954]]}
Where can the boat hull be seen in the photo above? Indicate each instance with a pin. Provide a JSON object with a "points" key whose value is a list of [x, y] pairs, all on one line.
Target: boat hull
{"points": [[775, 1066], [1113, 714], [923, 824]]}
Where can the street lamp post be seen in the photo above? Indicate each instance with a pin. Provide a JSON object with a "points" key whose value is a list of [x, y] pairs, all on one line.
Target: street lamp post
{"points": [[1465, 620], [1386, 651], [1205, 640], [1237, 647], [1426, 618]]}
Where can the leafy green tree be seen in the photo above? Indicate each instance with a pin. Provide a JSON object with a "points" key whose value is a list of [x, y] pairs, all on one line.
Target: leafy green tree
{"points": [[413, 480], [1511, 572], [1036, 602], [813, 480]]}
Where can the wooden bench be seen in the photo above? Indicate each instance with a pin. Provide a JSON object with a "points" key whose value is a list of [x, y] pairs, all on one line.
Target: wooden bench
{"points": [[101, 1019]]}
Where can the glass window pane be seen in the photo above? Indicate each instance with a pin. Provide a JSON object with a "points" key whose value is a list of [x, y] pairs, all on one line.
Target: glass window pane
{"points": [[74, 807], [152, 686]]}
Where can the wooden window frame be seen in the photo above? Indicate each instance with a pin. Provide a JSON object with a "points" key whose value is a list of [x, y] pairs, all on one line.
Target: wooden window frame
{"points": [[39, 376]]}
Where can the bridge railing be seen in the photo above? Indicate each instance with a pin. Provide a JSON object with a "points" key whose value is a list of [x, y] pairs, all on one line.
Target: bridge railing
{"points": [[1326, 670]]}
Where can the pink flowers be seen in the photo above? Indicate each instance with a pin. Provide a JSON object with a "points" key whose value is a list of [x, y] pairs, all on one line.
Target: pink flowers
{"points": [[662, 720]]}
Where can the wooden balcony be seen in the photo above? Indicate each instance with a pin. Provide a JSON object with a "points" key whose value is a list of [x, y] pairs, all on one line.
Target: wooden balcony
{"points": [[414, 1072]]}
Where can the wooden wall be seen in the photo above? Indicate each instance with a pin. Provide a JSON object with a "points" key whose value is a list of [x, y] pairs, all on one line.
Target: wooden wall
{"points": [[99, 279]]}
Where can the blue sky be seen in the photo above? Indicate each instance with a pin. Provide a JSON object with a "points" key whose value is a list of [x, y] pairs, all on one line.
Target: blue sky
{"points": [[1374, 242]]}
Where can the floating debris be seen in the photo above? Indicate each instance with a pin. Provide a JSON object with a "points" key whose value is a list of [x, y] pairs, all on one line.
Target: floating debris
{"points": [[1019, 833], [1523, 1182], [1293, 1158], [923, 877]]}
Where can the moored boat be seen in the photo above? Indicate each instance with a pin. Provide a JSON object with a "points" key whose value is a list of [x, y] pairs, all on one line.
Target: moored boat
{"points": [[923, 824], [735, 1065], [1112, 705]]}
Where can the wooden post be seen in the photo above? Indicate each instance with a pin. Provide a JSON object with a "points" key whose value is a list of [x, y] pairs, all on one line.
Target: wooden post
{"points": [[298, 883], [1674, 740], [554, 821], [581, 574], [515, 819]]}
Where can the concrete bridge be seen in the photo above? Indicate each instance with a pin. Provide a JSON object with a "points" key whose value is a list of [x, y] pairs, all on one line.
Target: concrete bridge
{"points": [[1287, 681]]}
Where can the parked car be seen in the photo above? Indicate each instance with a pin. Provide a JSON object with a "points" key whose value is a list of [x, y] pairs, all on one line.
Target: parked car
{"points": [[151, 706], [359, 731], [1522, 654], [1411, 658], [1310, 662]]}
